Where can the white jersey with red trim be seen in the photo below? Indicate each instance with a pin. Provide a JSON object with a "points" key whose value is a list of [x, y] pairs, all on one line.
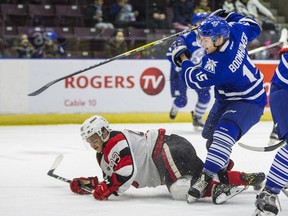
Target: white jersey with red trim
{"points": [[128, 154]]}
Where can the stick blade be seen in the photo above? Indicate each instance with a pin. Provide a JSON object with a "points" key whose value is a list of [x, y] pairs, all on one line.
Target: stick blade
{"points": [[262, 149], [43, 88], [56, 163], [37, 92]]}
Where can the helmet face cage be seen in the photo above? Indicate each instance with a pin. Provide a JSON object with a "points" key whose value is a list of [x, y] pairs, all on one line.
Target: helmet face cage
{"points": [[198, 17], [94, 124], [214, 27]]}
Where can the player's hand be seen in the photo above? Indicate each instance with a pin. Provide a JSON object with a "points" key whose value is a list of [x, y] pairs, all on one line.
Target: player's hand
{"points": [[103, 190], [178, 48], [76, 184]]}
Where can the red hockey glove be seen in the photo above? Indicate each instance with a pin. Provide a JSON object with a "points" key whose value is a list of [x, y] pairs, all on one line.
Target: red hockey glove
{"points": [[103, 190], [283, 50], [90, 182]]}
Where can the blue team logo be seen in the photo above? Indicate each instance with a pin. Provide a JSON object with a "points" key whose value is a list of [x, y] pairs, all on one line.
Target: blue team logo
{"points": [[210, 66]]}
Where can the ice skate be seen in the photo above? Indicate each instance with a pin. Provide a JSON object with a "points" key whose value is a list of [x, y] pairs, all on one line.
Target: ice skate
{"points": [[196, 121], [221, 193], [266, 204], [273, 137], [173, 112], [254, 179], [198, 188], [285, 190]]}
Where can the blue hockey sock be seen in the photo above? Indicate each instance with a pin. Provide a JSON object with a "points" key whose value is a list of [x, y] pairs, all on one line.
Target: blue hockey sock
{"points": [[224, 137], [277, 177]]}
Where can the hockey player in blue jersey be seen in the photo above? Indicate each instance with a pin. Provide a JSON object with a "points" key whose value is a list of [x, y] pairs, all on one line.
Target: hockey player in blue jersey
{"points": [[240, 97], [178, 86], [277, 177]]}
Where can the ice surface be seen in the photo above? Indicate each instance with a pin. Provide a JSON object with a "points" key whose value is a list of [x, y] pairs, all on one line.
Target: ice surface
{"points": [[28, 152]]}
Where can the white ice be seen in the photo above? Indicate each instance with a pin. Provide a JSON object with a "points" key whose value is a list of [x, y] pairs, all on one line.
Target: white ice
{"points": [[27, 153]]}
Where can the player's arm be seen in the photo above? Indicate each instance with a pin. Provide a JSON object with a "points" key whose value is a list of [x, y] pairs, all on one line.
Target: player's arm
{"points": [[195, 76], [248, 25], [119, 155], [181, 46]]}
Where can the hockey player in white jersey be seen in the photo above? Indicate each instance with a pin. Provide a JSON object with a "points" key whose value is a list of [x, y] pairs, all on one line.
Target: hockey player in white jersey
{"points": [[277, 178], [240, 97], [131, 158]]}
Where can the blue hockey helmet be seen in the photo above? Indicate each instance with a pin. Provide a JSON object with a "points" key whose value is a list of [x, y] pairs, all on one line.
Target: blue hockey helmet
{"points": [[51, 35], [198, 17], [214, 27]]}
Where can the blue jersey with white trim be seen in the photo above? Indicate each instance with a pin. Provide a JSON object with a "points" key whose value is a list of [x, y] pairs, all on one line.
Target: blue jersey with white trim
{"points": [[280, 77], [230, 69]]}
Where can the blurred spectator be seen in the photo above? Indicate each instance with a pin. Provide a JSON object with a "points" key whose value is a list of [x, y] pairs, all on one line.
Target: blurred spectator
{"points": [[254, 6], [141, 17], [22, 48], [251, 7], [2, 48], [122, 14], [50, 48], [157, 15], [182, 13], [117, 44], [228, 6], [202, 6], [241, 8], [21, 1], [96, 16]]}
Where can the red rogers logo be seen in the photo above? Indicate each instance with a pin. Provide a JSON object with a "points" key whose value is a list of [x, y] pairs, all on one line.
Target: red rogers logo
{"points": [[152, 81]]}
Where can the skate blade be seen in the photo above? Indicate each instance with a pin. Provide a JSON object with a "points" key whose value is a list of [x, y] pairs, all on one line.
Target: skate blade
{"points": [[272, 141], [224, 198], [191, 199], [257, 212]]}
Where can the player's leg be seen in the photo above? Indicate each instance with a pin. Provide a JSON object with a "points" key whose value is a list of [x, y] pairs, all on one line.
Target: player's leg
{"points": [[179, 164], [277, 177], [234, 123], [178, 91], [211, 122], [241, 178], [201, 107]]}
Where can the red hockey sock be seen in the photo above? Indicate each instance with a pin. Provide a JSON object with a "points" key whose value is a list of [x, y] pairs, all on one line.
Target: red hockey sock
{"points": [[234, 177], [209, 189]]}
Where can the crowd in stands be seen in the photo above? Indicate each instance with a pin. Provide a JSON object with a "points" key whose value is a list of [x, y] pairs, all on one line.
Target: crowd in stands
{"points": [[102, 28]]}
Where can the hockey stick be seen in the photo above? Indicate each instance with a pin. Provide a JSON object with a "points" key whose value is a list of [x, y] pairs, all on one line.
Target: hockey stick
{"points": [[282, 39], [126, 54], [262, 149], [51, 173], [259, 49]]}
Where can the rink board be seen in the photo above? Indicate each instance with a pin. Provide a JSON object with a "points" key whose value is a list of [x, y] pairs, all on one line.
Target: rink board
{"points": [[123, 91]]}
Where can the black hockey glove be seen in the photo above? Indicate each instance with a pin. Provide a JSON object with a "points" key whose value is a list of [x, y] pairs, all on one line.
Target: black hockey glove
{"points": [[220, 12]]}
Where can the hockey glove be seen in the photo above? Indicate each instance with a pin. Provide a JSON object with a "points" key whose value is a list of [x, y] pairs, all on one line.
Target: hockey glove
{"points": [[76, 184], [178, 47], [283, 51], [220, 12], [103, 190]]}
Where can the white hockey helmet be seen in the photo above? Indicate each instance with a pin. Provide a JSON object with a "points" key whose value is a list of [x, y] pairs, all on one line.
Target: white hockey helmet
{"points": [[94, 124]]}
